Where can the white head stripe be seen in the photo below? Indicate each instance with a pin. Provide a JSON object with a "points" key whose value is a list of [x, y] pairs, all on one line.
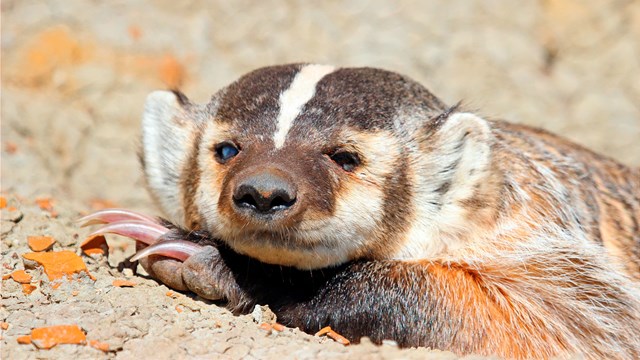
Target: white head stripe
{"points": [[301, 90]]}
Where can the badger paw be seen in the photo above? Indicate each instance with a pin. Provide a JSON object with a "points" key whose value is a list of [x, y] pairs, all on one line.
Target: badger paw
{"points": [[182, 260]]}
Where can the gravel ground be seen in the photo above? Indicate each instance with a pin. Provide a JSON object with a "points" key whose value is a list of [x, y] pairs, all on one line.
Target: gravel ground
{"points": [[74, 78]]}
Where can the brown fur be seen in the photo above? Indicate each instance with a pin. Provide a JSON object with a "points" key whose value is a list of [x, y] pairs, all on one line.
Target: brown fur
{"points": [[453, 232]]}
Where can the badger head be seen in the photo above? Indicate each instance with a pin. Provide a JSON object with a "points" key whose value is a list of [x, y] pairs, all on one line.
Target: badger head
{"points": [[311, 166]]}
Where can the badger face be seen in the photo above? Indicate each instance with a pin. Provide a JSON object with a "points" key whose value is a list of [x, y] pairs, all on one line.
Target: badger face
{"points": [[303, 165]]}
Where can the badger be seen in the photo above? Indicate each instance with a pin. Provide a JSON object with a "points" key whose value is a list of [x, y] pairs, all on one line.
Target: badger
{"points": [[354, 198]]}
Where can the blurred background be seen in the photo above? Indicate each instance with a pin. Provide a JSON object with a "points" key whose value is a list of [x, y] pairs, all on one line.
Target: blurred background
{"points": [[75, 73]]}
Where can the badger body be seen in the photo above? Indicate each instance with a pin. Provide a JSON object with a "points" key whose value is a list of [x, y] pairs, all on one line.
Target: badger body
{"points": [[353, 197]]}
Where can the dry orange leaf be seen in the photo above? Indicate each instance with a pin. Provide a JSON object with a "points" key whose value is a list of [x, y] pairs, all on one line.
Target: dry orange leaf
{"points": [[135, 32], [178, 309], [45, 203], [47, 52], [171, 72], [325, 330], [265, 326], [4, 325], [10, 147], [101, 204], [40, 243], [123, 283], [334, 335], [278, 327], [21, 277], [96, 244], [48, 337], [3, 202], [99, 345], [59, 263], [6, 276], [28, 288], [171, 294], [24, 339]]}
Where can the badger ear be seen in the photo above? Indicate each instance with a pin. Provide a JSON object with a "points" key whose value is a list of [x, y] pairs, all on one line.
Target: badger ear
{"points": [[168, 132], [460, 155]]}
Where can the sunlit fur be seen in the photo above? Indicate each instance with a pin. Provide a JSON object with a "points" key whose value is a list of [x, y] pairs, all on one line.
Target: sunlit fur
{"points": [[527, 237]]}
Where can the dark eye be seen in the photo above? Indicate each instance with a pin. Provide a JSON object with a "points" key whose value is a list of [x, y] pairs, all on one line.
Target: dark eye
{"points": [[348, 161], [225, 151]]}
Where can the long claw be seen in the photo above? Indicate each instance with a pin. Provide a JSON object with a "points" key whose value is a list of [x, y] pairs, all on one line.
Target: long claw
{"points": [[177, 249], [142, 231], [114, 215]]}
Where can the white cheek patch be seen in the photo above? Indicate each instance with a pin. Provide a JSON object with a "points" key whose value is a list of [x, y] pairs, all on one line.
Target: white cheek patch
{"points": [[301, 90], [340, 237], [354, 227], [358, 210]]}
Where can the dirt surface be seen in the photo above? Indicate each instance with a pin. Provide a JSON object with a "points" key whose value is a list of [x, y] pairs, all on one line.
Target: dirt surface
{"points": [[75, 75]]}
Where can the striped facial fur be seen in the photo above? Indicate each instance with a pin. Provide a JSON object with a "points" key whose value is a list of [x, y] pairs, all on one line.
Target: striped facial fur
{"points": [[471, 235], [320, 165], [310, 166]]}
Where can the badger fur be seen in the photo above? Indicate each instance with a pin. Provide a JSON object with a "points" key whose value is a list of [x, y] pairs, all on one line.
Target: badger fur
{"points": [[353, 197]]}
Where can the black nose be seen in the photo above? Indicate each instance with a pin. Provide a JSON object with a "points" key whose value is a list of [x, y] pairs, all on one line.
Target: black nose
{"points": [[265, 193]]}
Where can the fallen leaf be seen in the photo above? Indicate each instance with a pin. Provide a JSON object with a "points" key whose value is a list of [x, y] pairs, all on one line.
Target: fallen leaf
{"points": [[172, 294], [24, 339], [40, 243], [325, 330], [178, 309], [99, 345], [48, 337], [265, 326], [334, 335], [135, 32], [171, 72], [96, 244], [3, 202], [21, 277], [278, 327], [10, 147], [123, 283], [4, 325], [6, 276], [45, 203], [53, 50], [101, 204], [58, 264], [28, 288]]}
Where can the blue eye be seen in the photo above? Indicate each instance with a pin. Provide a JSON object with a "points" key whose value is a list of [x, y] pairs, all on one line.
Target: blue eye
{"points": [[225, 151]]}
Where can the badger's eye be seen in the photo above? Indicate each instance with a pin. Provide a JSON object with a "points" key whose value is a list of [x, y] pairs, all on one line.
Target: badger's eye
{"points": [[225, 151], [348, 161]]}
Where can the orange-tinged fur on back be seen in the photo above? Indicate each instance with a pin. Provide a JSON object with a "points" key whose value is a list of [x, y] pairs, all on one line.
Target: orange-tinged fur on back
{"points": [[552, 272], [485, 237], [595, 197]]}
